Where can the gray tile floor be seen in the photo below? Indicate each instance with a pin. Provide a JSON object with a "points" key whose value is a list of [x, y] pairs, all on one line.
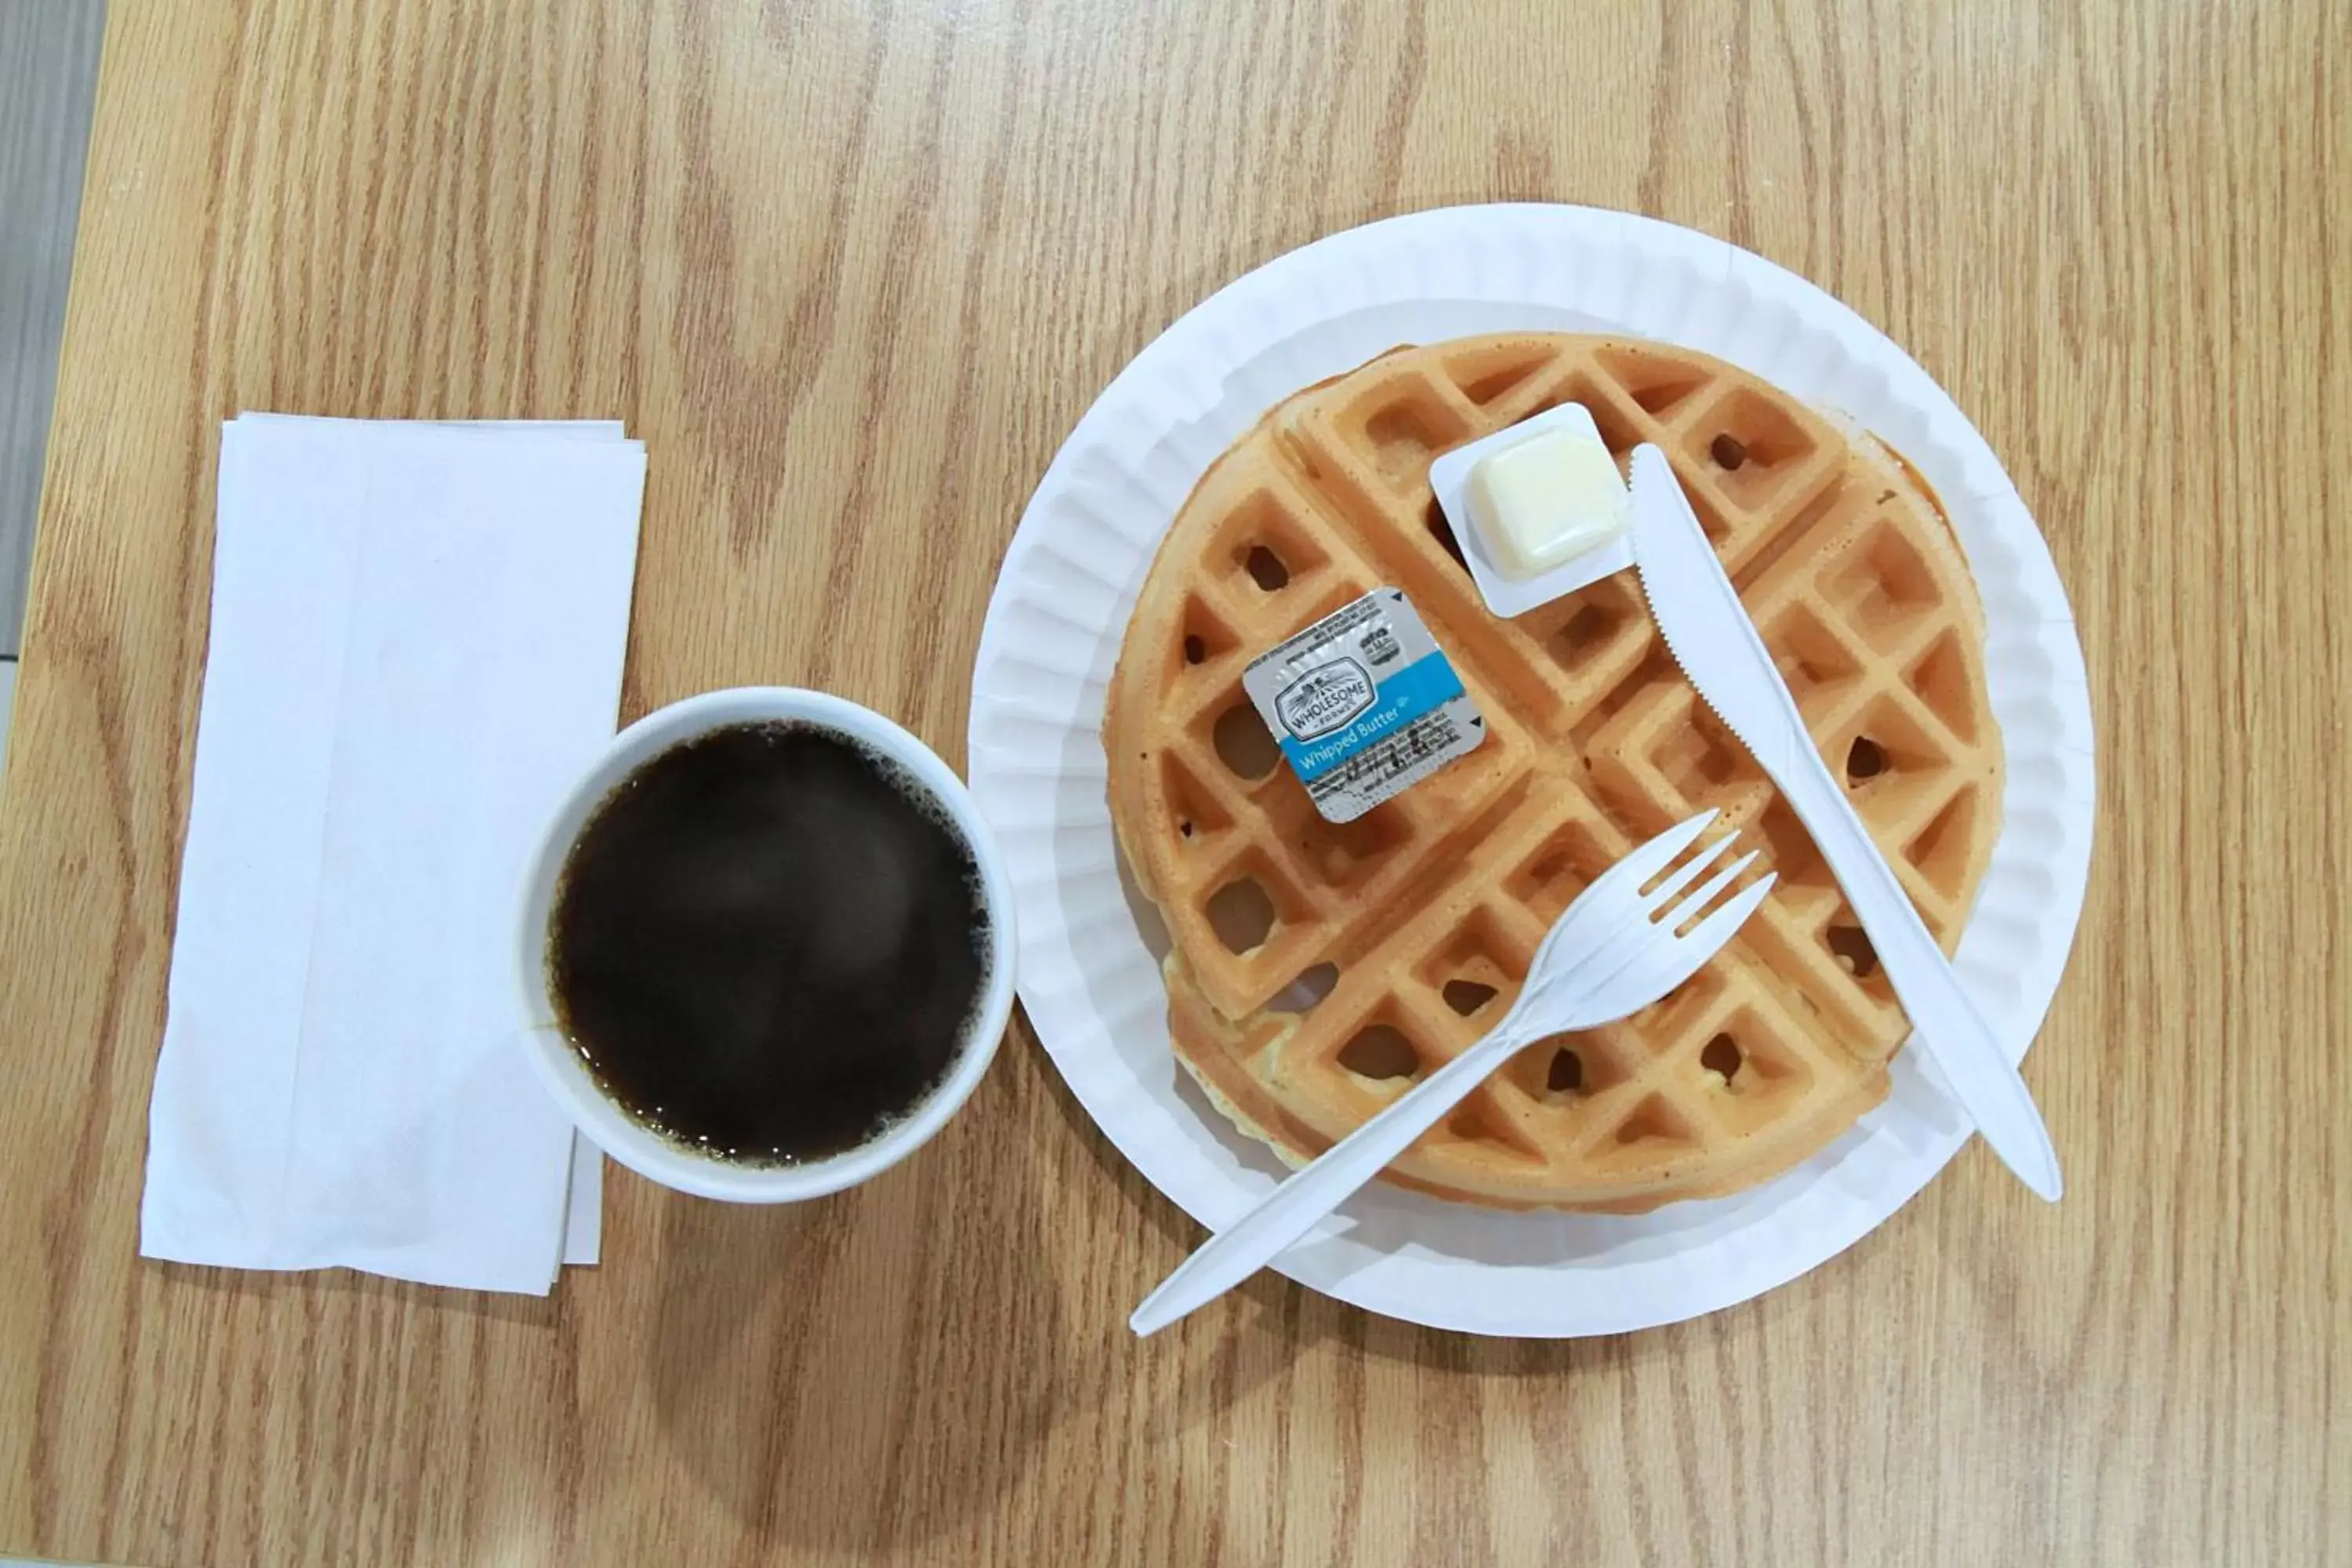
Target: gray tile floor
{"points": [[48, 76]]}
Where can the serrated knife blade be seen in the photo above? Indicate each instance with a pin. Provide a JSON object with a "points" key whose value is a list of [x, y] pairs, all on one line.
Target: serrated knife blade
{"points": [[1710, 637]]}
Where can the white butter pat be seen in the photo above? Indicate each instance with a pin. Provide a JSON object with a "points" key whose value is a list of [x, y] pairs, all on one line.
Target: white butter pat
{"points": [[1547, 498]]}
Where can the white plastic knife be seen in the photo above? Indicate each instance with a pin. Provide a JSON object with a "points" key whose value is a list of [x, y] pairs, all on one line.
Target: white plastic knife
{"points": [[1710, 636]]}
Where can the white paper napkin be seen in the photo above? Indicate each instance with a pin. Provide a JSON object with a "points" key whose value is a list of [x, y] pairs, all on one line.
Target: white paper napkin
{"points": [[417, 636]]}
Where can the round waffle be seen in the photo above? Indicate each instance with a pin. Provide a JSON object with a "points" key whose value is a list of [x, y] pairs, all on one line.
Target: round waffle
{"points": [[1319, 969]]}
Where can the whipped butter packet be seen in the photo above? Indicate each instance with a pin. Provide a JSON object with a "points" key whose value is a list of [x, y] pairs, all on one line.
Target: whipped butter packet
{"points": [[1364, 704]]}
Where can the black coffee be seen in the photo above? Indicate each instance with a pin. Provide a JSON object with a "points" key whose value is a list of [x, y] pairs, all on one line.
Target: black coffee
{"points": [[768, 943]]}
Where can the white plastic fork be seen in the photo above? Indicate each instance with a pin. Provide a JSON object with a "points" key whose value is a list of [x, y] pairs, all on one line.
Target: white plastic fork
{"points": [[1617, 949]]}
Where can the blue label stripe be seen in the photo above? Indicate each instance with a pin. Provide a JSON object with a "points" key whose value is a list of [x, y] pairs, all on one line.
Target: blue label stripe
{"points": [[1427, 683]]}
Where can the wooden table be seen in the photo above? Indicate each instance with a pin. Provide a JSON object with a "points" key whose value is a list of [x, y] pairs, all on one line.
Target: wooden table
{"points": [[852, 272]]}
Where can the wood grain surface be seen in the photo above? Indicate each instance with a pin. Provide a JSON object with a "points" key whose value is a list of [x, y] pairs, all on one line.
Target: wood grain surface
{"points": [[853, 272]]}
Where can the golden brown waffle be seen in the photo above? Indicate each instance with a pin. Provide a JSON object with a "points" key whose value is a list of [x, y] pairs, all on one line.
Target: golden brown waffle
{"points": [[1414, 923]]}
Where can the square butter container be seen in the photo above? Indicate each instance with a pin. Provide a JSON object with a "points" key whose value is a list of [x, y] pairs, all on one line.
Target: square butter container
{"points": [[1449, 476]]}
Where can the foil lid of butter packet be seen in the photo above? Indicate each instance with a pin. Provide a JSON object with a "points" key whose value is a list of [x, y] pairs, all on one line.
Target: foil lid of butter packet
{"points": [[1364, 704]]}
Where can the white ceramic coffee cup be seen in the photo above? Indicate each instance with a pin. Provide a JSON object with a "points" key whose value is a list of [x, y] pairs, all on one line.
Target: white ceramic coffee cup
{"points": [[628, 1139]]}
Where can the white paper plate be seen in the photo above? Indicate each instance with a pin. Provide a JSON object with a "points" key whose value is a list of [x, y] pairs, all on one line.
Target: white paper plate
{"points": [[1089, 974]]}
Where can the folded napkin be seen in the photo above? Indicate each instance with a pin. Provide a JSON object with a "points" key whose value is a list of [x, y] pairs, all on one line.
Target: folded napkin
{"points": [[417, 634]]}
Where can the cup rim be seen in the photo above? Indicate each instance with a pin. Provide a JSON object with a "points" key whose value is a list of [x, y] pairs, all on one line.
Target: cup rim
{"points": [[558, 1065]]}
